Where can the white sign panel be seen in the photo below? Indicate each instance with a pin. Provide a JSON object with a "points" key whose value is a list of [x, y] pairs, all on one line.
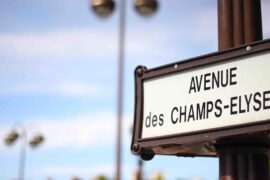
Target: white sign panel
{"points": [[218, 95]]}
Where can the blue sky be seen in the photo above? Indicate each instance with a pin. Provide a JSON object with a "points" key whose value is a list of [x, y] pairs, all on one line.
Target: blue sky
{"points": [[58, 77]]}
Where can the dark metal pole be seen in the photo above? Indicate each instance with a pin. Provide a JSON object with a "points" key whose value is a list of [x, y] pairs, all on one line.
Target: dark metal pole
{"points": [[238, 23], [22, 154], [259, 164], [225, 24], [242, 166], [227, 165], [140, 170], [241, 158], [120, 90], [252, 20]]}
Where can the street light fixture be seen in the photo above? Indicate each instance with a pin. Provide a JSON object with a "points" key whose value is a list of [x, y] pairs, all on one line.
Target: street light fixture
{"points": [[35, 141], [146, 7], [11, 137], [104, 8]]}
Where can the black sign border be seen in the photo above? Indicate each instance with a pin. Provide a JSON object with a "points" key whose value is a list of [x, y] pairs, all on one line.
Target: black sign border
{"points": [[148, 145]]}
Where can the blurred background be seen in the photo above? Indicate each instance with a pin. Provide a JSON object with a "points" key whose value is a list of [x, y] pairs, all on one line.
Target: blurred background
{"points": [[58, 85]]}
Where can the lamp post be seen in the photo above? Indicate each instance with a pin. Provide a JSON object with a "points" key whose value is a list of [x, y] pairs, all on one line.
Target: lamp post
{"points": [[34, 142], [104, 8], [247, 156]]}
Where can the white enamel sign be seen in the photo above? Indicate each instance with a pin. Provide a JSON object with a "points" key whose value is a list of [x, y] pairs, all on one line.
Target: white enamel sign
{"points": [[218, 95]]}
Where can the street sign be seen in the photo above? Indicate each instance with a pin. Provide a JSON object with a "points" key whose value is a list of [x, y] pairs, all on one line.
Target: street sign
{"points": [[184, 107]]}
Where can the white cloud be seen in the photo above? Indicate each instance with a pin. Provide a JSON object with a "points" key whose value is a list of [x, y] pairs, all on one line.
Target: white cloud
{"points": [[74, 170], [84, 172], [63, 43], [56, 62], [196, 178], [60, 88], [41, 65], [77, 132]]}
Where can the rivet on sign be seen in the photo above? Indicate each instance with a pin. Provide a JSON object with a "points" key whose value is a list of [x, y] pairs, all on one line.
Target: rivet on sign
{"points": [[140, 72], [136, 147], [248, 48]]}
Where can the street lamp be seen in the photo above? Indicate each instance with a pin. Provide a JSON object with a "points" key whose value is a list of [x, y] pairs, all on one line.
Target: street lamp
{"points": [[146, 7], [104, 8], [35, 141], [11, 137]]}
